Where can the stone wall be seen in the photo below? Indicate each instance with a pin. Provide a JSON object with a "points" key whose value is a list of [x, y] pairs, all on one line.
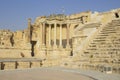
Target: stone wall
{"points": [[14, 53], [5, 38]]}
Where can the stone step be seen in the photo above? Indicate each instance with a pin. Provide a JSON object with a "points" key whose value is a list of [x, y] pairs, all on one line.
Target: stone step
{"points": [[115, 21], [92, 45], [112, 25], [85, 52], [101, 48], [107, 32], [92, 49], [99, 40], [103, 35]]}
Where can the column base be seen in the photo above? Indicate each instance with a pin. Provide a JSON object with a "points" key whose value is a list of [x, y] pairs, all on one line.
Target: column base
{"points": [[61, 47], [55, 54], [42, 54], [67, 52], [43, 46], [55, 47], [49, 47], [67, 46]]}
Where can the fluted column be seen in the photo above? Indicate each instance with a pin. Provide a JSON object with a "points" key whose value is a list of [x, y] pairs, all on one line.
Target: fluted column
{"points": [[50, 35], [43, 34], [55, 35], [60, 41], [68, 45]]}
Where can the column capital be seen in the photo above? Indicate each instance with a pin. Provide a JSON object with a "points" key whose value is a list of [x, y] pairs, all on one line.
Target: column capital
{"points": [[43, 23], [68, 24], [60, 24], [29, 20], [50, 24], [55, 23]]}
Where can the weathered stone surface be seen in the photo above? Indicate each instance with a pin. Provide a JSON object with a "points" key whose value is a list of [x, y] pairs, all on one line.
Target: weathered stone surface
{"points": [[9, 65], [85, 40], [36, 64], [23, 65]]}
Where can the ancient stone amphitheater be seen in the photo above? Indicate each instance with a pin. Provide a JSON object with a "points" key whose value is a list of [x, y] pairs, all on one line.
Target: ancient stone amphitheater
{"points": [[86, 40]]}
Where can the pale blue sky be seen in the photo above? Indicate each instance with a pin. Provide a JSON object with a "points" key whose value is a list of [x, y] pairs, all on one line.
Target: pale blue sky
{"points": [[14, 13]]}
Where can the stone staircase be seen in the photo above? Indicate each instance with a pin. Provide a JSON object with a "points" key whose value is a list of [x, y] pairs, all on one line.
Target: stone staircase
{"points": [[104, 49], [87, 38]]}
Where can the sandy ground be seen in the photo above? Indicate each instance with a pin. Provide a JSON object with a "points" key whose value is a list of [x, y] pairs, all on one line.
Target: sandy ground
{"points": [[40, 74]]}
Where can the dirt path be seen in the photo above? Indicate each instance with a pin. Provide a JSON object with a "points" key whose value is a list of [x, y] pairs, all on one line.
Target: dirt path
{"points": [[40, 74]]}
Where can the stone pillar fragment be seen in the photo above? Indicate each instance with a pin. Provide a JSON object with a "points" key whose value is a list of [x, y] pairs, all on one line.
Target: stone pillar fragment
{"points": [[55, 46], [43, 34], [50, 35], [68, 45], [40, 34], [29, 30], [60, 36]]}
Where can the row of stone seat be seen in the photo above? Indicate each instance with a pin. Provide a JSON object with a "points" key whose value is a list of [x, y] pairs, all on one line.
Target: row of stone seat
{"points": [[7, 65], [98, 67], [101, 46]]}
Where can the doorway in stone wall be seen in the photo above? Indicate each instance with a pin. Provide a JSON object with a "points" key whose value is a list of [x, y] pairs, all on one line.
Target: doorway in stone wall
{"points": [[116, 15], [33, 43]]}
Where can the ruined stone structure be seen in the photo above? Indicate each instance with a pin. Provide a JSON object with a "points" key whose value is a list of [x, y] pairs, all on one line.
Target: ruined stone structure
{"points": [[84, 40]]}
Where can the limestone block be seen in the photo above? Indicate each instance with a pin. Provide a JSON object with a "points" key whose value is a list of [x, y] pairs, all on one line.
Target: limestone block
{"points": [[35, 64], [54, 62], [41, 54], [26, 53], [47, 63], [23, 65], [66, 53], [9, 53], [9, 65], [51, 62], [55, 54], [48, 53]]}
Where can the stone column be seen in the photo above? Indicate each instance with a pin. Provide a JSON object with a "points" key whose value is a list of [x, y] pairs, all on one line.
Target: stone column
{"points": [[50, 35], [55, 46], [43, 34], [84, 19], [42, 51], [60, 36], [68, 45], [40, 34], [29, 30]]}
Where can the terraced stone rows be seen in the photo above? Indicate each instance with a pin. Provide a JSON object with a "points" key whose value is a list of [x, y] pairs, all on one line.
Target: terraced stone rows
{"points": [[105, 47]]}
